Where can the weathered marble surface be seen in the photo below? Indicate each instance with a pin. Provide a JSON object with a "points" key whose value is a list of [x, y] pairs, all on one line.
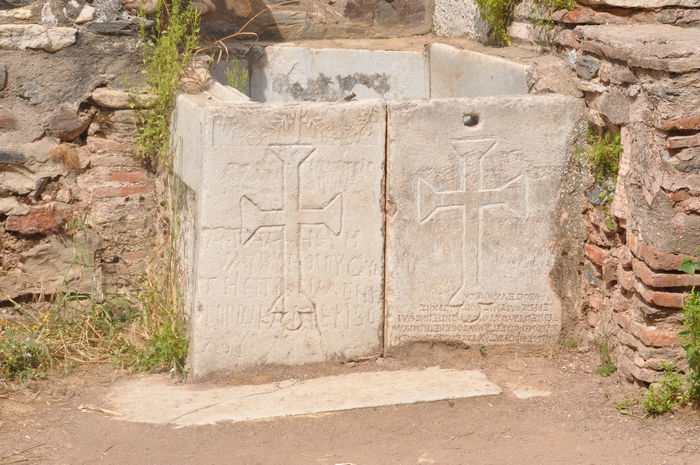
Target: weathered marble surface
{"points": [[307, 74], [456, 73], [472, 191], [289, 261]]}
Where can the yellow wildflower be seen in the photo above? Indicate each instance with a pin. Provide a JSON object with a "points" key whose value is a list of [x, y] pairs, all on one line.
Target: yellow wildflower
{"points": [[9, 358]]}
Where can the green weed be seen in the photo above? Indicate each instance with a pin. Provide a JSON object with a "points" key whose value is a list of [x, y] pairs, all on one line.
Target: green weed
{"points": [[543, 10], [668, 395], [690, 336], [168, 51], [76, 329], [602, 155], [607, 367], [498, 14], [159, 339], [675, 390], [236, 76]]}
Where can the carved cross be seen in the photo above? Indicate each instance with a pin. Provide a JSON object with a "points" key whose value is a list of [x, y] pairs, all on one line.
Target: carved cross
{"points": [[292, 307], [472, 199]]}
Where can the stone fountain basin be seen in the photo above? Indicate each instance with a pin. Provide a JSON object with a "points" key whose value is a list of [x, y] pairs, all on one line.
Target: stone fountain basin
{"points": [[321, 229]]}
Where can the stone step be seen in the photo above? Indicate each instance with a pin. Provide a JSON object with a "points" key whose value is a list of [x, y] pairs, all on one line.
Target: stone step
{"points": [[155, 399]]}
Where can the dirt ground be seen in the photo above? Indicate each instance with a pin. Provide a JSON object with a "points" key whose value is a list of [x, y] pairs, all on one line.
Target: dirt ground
{"points": [[576, 424]]}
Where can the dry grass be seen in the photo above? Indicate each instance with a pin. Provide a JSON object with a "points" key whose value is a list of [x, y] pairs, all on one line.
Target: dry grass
{"points": [[67, 155]]}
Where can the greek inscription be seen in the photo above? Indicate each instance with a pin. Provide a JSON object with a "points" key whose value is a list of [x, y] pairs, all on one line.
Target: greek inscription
{"points": [[293, 309]]}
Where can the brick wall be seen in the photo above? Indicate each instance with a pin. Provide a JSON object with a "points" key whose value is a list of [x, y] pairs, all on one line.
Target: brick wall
{"points": [[639, 71], [77, 208]]}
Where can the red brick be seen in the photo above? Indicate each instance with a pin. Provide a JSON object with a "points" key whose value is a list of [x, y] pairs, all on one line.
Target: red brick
{"points": [[593, 319], [679, 142], [585, 16], [625, 256], [40, 220], [678, 196], [111, 159], [622, 320], [682, 124], [653, 279], [654, 258], [625, 279], [659, 298], [596, 302], [596, 254], [689, 206], [567, 38], [95, 144], [653, 337], [135, 255], [618, 302], [124, 191], [127, 176], [7, 121], [609, 270]]}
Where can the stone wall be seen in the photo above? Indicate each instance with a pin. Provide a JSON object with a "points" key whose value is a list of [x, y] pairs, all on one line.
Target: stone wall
{"points": [[637, 64], [331, 19], [76, 206]]}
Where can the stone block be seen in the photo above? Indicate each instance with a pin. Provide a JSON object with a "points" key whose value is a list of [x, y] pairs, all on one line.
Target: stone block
{"points": [[456, 73], [33, 36], [290, 229], [472, 189], [615, 106], [119, 99], [305, 74], [51, 266], [10, 206], [30, 162], [453, 18], [648, 46], [66, 124], [587, 67]]}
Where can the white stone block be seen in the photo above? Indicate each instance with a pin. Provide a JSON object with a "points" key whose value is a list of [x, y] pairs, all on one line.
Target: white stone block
{"points": [[290, 249], [454, 18], [473, 186], [305, 74], [456, 73]]}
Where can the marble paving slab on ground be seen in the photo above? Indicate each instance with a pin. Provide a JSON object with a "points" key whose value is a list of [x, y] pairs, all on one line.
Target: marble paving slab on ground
{"points": [[155, 399]]}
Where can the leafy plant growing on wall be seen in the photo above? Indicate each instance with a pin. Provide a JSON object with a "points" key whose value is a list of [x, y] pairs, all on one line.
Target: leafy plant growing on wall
{"points": [[168, 51], [543, 10], [498, 14], [161, 339], [602, 156]]}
